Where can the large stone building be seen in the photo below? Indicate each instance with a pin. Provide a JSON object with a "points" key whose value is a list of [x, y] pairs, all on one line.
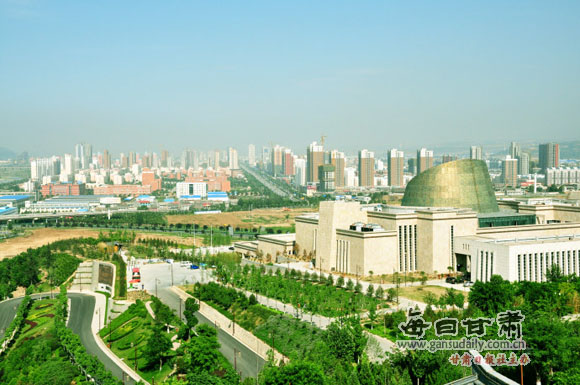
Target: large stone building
{"points": [[520, 242]]}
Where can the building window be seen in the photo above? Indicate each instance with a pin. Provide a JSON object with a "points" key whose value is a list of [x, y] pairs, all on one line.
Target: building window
{"points": [[481, 267], [453, 264], [491, 267], [486, 265], [525, 270], [415, 241], [536, 267], [519, 267], [541, 267], [406, 250], [400, 249]]}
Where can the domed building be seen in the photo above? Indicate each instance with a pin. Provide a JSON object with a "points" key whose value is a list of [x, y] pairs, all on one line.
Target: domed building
{"points": [[462, 183]]}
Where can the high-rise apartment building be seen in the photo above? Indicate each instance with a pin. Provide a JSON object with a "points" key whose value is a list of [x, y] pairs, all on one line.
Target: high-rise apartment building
{"points": [[265, 157], [44, 167], [549, 156], [276, 161], [233, 158], [251, 155], [326, 178], [314, 159], [524, 164], [68, 166], [216, 159], [515, 150], [132, 158], [412, 165], [476, 152], [84, 155], [106, 160], [366, 168], [164, 157], [288, 162], [338, 160], [424, 160], [510, 171], [395, 167], [350, 177], [300, 169]]}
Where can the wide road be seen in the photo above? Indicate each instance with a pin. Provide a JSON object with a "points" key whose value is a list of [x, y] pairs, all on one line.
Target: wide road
{"points": [[8, 310], [80, 319], [247, 362], [81, 316]]}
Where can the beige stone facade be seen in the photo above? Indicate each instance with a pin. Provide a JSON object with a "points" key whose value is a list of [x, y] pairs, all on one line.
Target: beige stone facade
{"points": [[350, 238]]}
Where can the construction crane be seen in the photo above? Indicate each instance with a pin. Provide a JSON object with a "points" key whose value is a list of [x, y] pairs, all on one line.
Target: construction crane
{"points": [[322, 137]]}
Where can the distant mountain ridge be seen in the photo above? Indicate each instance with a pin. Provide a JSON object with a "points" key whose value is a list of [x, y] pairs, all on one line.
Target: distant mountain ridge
{"points": [[6, 154]]}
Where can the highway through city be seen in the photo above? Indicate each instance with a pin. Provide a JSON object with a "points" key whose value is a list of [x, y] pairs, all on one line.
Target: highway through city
{"points": [[271, 186]]}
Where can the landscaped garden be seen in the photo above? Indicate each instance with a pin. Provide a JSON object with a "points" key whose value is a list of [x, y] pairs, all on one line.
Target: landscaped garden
{"points": [[128, 335]]}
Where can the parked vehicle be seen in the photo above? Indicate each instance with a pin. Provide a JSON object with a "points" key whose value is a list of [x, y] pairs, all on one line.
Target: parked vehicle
{"points": [[450, 280], [194, 267], [468, 283]]}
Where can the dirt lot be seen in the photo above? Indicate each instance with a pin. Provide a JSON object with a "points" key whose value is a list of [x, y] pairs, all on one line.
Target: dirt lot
{"points": [[244, 219], [38, 237], [181, 240]]}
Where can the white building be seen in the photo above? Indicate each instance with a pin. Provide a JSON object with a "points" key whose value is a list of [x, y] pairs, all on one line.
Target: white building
{"points": [[350, 177], [233, 158], [41, 167], [191, 189], [521, 259], [252, 155], [300, 169], [562, 175]]}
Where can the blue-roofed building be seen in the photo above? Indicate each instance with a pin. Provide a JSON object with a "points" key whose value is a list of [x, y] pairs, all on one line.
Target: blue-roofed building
{"points": [[7, 210], [217, 196], [15, 200]]}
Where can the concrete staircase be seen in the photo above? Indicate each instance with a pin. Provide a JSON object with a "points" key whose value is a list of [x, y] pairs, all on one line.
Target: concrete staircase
{"points": [[83, 279]]}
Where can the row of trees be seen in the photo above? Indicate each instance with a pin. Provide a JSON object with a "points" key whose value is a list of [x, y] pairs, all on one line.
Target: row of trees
{"points": [[311, 292]]}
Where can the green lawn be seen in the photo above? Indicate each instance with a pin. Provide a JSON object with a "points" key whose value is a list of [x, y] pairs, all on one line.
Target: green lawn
{"points": [[40, 319], [127, 337]]}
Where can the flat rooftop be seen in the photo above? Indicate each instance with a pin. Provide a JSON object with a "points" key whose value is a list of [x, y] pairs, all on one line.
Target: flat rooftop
{"points": [[281, 237], [15, 197], [502, 214], [526, 240]]}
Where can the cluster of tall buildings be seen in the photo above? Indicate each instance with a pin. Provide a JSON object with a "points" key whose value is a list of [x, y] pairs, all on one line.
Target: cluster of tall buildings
{"points": [[327, 170]]}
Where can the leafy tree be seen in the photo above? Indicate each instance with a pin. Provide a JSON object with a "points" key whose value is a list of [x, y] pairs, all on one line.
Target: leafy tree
{"points": [[349, 285], [379, 293], [493, 296], [299, 373], [370, 290], [191, 307], [157, 346], [347, 342], [340, 281], [201, 352]]}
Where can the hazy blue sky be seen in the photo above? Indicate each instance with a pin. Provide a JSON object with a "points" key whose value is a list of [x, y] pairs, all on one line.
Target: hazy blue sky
{"points": [[136, 75]]}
